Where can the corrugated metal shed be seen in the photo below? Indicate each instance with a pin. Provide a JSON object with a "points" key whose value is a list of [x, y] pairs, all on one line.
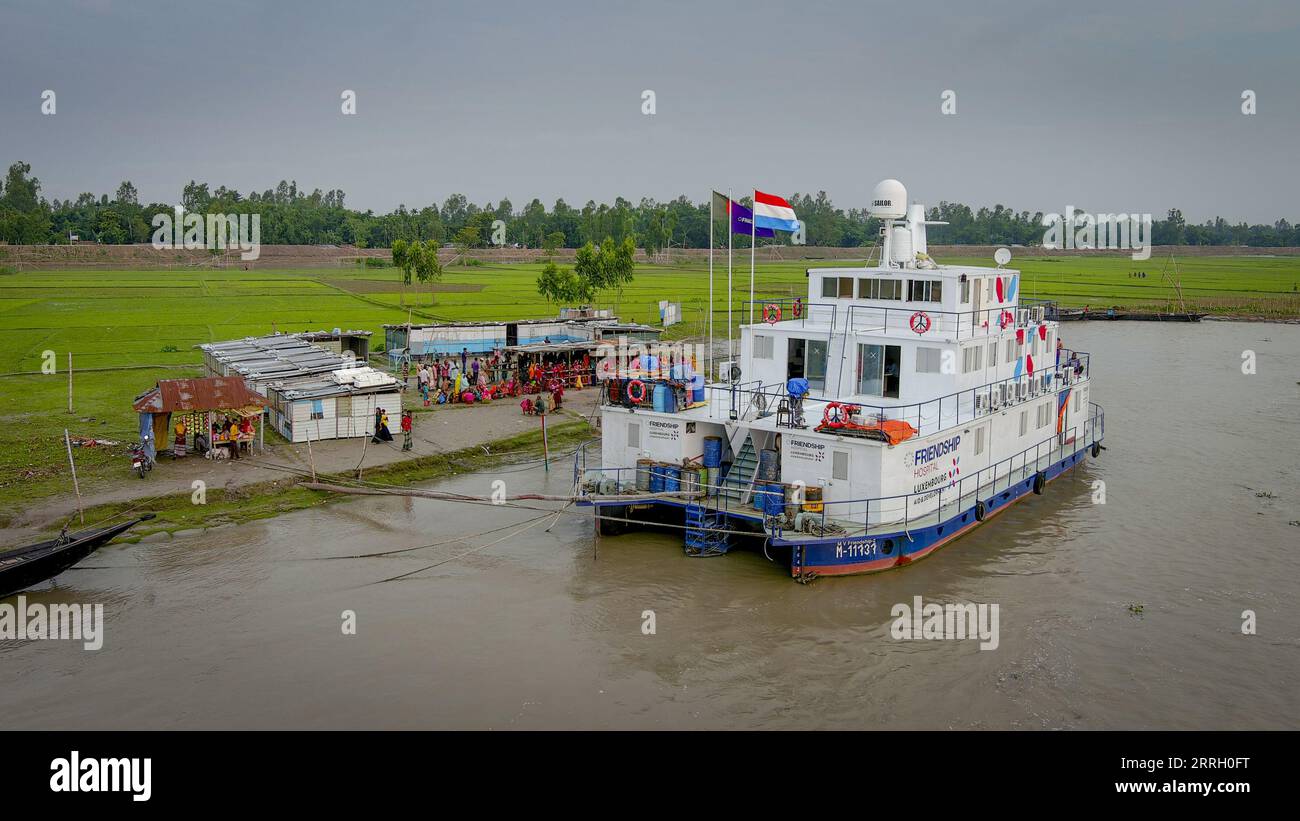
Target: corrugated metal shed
{"points": [[210, 393]]}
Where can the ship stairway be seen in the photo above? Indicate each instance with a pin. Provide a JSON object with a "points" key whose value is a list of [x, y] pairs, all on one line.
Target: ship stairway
{"points": [[738, 485], [705, 532]]}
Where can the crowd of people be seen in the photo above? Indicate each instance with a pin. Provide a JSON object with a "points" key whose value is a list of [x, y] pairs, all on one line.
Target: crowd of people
{"points": [[469, 379]]}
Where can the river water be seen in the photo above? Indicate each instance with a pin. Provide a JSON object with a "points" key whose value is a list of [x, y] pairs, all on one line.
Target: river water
{"points": [[1126, 614]]}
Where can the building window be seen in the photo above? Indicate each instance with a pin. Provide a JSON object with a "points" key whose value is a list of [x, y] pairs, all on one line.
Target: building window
{"points": [[878, 370], [927, 360], [840, 465], [925, 290], [634, 435], [972, 358], [763, 347]]}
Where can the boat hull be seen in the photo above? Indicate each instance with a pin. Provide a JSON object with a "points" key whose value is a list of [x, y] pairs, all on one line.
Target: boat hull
{"points": [[860, 555], [24, 567]]}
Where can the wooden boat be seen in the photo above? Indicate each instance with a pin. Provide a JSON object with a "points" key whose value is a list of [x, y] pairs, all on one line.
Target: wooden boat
{"points": [[22, 567]]}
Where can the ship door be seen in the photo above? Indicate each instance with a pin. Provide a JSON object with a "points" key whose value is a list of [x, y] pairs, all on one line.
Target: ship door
{"points": [[977, 303]]}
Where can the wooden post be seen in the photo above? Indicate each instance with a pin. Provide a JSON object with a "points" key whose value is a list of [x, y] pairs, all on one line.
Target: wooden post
{"points": [[546, 455], [67, 440], [69, 381], [310, 461]]}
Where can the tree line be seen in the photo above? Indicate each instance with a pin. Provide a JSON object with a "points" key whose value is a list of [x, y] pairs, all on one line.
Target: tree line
{"points": [[293, 216]]}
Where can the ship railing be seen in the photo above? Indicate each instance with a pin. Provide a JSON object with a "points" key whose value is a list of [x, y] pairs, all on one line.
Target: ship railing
{"points": [[866, 517], [753, 400], [920, 318]]}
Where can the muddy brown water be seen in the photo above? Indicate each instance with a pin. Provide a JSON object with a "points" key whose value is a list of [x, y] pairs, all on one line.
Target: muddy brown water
{"points": [[241, 627]]}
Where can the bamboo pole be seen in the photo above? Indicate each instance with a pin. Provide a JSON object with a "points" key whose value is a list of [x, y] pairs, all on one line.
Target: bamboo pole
{"points": [[67, 440], [69, 381]]}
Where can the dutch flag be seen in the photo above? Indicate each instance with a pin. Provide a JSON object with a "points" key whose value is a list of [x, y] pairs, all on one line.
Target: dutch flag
{"points": [[770, 211]]}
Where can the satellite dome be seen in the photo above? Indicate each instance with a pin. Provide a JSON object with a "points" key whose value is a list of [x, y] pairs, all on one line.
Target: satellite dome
{"points": [[889, 200]]}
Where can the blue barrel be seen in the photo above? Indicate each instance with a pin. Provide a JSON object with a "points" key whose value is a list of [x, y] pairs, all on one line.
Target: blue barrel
{"points": [[672, 478], [697, 388], [712, 451], [663, 397], [657, 479], [769, 465], [760, 496], [775, 499]]}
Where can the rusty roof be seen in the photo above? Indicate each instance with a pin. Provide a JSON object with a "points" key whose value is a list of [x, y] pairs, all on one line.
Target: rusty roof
{"points": [[210, 393]]}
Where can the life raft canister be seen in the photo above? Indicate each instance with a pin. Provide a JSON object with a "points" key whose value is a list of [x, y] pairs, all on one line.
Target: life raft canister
{"points": [[636, 390], [1040, 481], [771, 313]]}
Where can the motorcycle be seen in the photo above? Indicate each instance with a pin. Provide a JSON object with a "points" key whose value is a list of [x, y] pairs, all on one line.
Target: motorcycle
{"points": [[140, 461]]}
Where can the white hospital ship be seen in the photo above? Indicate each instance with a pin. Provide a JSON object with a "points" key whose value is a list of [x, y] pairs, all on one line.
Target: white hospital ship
{"points": [[935, 397]]}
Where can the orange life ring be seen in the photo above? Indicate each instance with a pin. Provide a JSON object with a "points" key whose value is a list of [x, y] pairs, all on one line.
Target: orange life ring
{"points": [[636, 390], [797, 308], [771, 313], [920, 322]]}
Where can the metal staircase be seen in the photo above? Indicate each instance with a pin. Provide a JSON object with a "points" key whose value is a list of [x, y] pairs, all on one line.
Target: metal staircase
{"points": [[739, 481], [703, 536]]}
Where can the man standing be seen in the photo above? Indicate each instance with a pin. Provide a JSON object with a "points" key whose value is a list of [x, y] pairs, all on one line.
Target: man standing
{"points": [[464, 359]]}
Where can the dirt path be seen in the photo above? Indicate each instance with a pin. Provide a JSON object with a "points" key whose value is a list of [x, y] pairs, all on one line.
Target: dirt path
{"points": [[442, 430]]}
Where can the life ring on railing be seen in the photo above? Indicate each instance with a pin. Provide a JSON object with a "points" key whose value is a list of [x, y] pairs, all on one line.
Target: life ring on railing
{"points": [[771, 313], [636, 391], [837, 414], [920, 322], [797, 308]]}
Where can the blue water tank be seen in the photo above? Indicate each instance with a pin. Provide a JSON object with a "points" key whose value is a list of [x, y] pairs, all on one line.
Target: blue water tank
{"points": [[672, 479], [657, 479], [769, 465]]}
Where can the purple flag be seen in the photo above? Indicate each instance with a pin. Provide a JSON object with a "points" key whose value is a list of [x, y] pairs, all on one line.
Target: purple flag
{"points": [[741, 218]]}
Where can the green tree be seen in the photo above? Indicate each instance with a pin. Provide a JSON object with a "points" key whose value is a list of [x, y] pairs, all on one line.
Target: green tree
{"points": [[427, 267], [552, 242]]}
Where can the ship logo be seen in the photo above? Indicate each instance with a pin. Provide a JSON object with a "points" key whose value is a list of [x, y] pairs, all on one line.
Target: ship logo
{"points": [[954, 471]]}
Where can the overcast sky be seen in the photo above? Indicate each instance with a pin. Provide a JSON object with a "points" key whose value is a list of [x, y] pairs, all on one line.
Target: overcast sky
{"points": [[1110, 106]]}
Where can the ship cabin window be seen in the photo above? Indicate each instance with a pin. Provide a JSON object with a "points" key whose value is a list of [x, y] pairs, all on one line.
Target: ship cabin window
{"points": [[1024, 422], [924, 290], [840, 465], [808, 360], [763, 347], [836, 287], [972, 358], [878, 370], [880, 289], [965, 292], [928, 360], [634, 434], [1011, 351]]}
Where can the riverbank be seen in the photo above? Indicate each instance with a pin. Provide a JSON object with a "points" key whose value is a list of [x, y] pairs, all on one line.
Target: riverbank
{"points": [[194, 493]]}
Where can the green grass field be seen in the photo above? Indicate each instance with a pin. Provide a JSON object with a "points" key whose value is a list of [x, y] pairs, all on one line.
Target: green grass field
{"points": [[152, 320]]}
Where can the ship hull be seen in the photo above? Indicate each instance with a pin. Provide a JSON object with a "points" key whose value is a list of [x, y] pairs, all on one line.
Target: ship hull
{"points": [[856, 556]]}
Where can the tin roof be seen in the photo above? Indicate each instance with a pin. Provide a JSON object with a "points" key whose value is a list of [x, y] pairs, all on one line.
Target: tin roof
{"points": [[209, 393]]}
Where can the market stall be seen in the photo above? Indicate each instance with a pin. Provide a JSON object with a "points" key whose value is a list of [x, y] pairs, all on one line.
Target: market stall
{"points": [[194, 415]]}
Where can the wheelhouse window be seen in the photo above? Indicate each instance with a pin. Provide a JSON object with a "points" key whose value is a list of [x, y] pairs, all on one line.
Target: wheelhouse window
{"points": [[835, 287], [925, 290], [880, 289], [878, 370]]}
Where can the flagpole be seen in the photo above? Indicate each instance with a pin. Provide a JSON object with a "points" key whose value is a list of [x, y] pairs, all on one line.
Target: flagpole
{"points": [[753, 240], [708, 359], [730, 293]]}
